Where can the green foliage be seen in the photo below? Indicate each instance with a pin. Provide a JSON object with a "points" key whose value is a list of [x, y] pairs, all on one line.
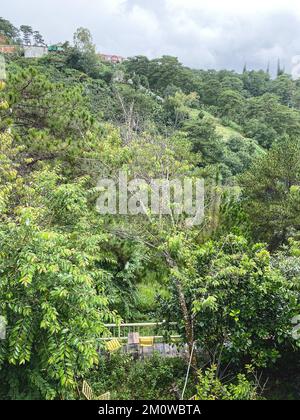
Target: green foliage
{"points": [[9, 30], [210, 387], [204, 138], [36, 104], [177, 108], [161, 73], [240, 306], [231, 104], [271, 194], [268, 110], [287, 260], [83, 40], [261, 132], [52, 291], [27, 33], [284, 87], [86, 61], [156, 378], [239, 154], [136, 108], [256, 83], [252, 304]]}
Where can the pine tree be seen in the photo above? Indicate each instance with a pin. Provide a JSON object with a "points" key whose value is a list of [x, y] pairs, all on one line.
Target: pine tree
{"points": [[280, 70], [27, 34], [38, 39]]}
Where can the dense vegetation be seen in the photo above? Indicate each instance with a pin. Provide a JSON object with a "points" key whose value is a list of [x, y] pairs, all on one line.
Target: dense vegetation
{"points": [[231, 284]]}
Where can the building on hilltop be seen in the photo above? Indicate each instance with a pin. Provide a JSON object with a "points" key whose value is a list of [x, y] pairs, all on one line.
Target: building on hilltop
{"points": [[5, 47], [8, 49], [32, 51], [113, 59], [57, 48]]}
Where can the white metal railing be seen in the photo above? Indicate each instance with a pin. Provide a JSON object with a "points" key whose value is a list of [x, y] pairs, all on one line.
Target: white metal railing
{"points": [[144, 329]]}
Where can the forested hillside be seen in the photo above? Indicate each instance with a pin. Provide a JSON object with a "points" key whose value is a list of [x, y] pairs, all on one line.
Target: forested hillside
{"points": [[231, 284]]}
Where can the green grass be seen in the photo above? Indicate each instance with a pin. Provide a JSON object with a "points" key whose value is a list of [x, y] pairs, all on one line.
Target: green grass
{"points": [[223, 131], [147, 295]]}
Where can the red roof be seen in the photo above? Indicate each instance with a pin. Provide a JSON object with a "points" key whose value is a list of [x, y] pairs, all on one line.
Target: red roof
{"points": [[7, 49], [112, 58]]}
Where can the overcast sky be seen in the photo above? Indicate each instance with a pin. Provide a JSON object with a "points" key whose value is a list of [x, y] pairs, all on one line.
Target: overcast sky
{"points": [[201, 33]]}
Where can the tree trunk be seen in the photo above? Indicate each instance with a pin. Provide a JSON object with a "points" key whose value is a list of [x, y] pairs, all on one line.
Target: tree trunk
{"points": [[188, 322]]}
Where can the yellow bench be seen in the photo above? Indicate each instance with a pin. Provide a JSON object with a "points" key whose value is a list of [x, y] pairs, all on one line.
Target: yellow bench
{"points": [[113, 345], [89, 394], [146, 341]]}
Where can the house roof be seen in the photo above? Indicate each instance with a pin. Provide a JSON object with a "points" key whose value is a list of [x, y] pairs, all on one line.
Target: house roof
{"points": [[112, 57], [7, 49]]}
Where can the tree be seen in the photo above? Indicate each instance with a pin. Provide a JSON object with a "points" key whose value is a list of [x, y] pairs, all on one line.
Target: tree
{"points": [[280, 70], [52, 289], [287, 260], [151, 157], [161, 73], [88, 63], [83, 56], [240, 308], [231, 82], [38, 39], [210, 88], [231, 104], [138, 65], [271, 192], [239, 154], [135, 110], [201, 132], [284, 87], [256, 82], [270, 111], [261, 132], [83, 41], [9, 31], [36, 104], [27, 32], [211, 387], [177, 107]]}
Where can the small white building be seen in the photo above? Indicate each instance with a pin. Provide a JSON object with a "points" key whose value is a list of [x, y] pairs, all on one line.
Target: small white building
{"points": [[32, 51]]}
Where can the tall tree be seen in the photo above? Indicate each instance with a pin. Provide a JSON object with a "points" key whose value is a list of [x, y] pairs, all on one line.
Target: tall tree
{"points": [[52, 292], [9, 30], [27, 33], [280, 70], [83, 41], [38, 39], [271, 192]]}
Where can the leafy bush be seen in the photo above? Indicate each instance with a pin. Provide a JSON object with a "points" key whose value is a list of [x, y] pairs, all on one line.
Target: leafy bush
{"points": [[210, 387], [155, 378]]}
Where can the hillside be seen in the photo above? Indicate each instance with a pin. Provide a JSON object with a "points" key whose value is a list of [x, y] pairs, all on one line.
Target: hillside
{"points": [[141, 191]]}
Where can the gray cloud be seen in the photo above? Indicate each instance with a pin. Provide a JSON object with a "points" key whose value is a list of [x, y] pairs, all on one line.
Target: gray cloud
{"points": [[202, 33]]}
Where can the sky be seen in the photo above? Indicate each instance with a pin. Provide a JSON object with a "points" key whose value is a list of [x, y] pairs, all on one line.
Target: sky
{"points": [[201, 33]]}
